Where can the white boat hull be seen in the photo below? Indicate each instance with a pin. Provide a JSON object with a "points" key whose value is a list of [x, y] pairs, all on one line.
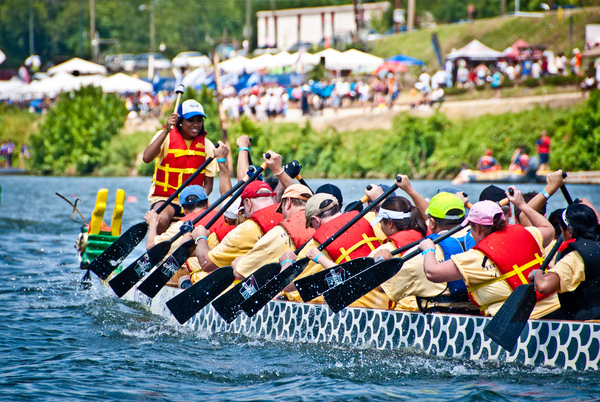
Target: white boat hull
{"points": [[564, 344]]}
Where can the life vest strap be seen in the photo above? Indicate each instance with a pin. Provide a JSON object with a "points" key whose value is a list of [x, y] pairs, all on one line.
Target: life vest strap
{"points": [[186, 152], [516, 271], [345, 254]]}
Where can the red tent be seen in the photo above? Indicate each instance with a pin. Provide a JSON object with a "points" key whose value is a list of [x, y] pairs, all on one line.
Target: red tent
{"points": [[392, 67], [514, 51]]}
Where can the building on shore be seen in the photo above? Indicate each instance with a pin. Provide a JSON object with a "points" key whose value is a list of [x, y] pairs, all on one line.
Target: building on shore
{"points": [[283, 29]]}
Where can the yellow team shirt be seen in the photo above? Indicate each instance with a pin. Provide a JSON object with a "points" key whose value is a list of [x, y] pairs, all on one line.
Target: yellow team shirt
{"points": [[492, 296], [411, 281], [571, 271], [237, 243], [266, 250], [210, 171]]}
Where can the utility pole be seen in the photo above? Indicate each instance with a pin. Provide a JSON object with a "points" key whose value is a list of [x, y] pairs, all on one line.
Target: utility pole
{"points": [[248, 29], [31, 22], [356, 20], [152, 28], [274, 24], [93, 34], [411, 16], [397, 6]]}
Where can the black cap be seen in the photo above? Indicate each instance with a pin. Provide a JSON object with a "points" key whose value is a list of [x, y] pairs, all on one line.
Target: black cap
{"points": [[333, 190], [492, 193]]}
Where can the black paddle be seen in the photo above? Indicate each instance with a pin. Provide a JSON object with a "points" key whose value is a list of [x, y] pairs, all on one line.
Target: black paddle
{"points": [[355, 287], [229, 305], [139, 268], [266, 293], [109, 260], [318, 283], [508, 323], [165, 271]]}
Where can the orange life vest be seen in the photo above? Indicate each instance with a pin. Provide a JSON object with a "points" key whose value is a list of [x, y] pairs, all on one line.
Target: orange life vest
{"points": [[267, 218], [358, 241], [179, 164], [405, 237], [515, 252], [295, 226]]}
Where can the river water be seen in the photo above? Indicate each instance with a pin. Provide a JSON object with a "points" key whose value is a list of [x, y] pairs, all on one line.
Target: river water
{"points": [[61, 343]]}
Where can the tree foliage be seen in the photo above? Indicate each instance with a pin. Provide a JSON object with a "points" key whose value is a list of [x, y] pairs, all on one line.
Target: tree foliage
{"points": [[75, 135]]}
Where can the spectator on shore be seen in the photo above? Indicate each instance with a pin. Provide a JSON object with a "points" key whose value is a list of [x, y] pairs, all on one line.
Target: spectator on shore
{"points": [[543, 149]]}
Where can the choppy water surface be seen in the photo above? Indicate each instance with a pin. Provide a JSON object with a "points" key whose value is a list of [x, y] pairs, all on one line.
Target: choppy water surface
{"points": [[61, 343]]}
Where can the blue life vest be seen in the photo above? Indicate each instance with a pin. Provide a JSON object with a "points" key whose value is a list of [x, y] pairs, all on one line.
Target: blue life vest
{"points": [[451, 246]]}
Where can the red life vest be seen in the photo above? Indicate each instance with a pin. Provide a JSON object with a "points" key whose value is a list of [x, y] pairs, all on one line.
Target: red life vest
{"points": [[523, 161], [204, 221], [222, 230], [515, 252], [179, 164], [358, 241], [405, 237], [486, 162], [295, 226], [267, 218]]}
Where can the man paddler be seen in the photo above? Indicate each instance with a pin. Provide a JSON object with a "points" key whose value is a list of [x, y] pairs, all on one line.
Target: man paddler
{"points": [[261, 216], [289, 234], [179, 151], [323, 213]]}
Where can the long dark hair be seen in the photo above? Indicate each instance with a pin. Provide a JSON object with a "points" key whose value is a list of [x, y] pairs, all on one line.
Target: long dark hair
{"points": [[401, 204], [582, 221]]}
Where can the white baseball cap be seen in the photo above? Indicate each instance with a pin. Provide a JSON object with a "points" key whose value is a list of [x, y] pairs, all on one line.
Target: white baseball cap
{"points": [[190, 108]]}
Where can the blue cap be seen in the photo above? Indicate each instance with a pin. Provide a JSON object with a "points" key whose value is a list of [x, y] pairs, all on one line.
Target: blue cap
{"points": [[194, 189], [385, 188], [190, 108]]}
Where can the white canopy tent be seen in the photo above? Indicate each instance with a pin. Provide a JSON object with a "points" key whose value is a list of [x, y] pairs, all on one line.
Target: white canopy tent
{"points": [[475, 50], [237, 64], [283, 59], [122, 83], [356, 60], [333, 58], [52, 86], [262, 62], [305, 58], [78, 66]]}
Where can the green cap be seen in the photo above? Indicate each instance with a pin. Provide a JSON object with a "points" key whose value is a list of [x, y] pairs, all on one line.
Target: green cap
{"points": [[442, 203]]}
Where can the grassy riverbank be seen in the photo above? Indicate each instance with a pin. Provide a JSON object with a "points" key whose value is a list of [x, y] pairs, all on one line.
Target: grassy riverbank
{"points": [[432, 147]]}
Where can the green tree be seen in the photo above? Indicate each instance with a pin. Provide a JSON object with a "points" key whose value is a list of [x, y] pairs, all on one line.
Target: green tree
{"points": [[75, 136]]}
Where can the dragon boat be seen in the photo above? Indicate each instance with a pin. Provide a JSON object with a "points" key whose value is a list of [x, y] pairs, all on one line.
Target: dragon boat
{"points": [[571, 345]]}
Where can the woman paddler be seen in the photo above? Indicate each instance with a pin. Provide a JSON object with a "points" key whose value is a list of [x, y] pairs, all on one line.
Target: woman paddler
{"points": [[179, 152], [576, 274], [500, 261]]}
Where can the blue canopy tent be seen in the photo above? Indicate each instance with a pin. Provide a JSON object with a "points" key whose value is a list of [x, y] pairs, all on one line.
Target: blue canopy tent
{"points": [[406, 60]]}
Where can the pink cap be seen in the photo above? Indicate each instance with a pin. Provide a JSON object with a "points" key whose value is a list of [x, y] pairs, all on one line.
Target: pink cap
{"points": [[483, 213]]}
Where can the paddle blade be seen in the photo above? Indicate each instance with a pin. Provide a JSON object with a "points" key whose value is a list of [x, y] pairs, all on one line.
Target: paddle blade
{"points": [[166, 270], [266, 293], [186, 304], [316, 284], [352, 289], [114, 254], [228, 305], [139, 268], [508, 323]]}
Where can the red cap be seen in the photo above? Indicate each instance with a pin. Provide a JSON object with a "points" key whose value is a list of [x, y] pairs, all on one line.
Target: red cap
{"points": [[251, 190]]}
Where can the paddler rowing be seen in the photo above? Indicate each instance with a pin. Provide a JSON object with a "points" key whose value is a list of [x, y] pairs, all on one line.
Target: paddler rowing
{"points": [[289, 236]]}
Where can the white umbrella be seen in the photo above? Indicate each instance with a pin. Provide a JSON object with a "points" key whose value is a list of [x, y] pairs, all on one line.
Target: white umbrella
{"points": [[122, 83], [80, 66]]}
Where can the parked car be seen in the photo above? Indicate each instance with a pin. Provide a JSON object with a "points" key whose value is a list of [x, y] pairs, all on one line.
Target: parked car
{"points": [[190, 60], [160, 61], [120, 62]]}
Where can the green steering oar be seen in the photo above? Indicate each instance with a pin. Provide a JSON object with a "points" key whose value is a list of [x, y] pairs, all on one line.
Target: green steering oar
{"points": [[266, 293], [110, 258], [355, 287]]}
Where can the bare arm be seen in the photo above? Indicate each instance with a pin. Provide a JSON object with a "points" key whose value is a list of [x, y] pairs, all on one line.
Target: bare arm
{"points": [[435, 271], [202, 249], [152, 219], [534, 217], [419, 201], [224, 179], [553, 182], [243, 161], [153, 149], [276, 165]]}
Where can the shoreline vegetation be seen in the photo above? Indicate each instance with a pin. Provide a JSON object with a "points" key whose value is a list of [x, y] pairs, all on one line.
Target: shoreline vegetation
{"points": [[434, 147]]}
